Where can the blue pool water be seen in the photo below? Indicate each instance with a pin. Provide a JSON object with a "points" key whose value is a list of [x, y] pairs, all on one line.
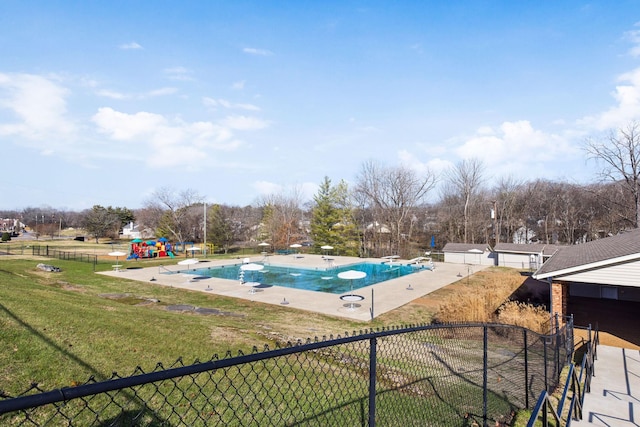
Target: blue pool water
{"points": [[312, 279]]}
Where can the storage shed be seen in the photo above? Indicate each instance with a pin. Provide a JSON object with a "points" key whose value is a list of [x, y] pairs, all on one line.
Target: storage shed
{"points": [[468, 253], [523, 256]]}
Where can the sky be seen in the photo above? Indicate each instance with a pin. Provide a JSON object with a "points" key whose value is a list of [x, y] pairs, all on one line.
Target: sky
{"points": [[107, 103]]}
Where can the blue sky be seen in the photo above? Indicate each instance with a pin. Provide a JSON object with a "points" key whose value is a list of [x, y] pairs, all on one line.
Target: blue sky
{"points": [[106, 102]]}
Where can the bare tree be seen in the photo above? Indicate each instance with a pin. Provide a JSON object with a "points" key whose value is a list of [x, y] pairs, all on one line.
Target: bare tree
{"points": [[282, 218], [394, 194], [450, 213], [506, 218], [466, 177], [619, 155], [181, 213]]}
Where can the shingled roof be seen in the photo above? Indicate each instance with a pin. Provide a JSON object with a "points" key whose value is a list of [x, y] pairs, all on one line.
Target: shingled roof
{"points": [[465, 247], [532, 248], [619, 248]]}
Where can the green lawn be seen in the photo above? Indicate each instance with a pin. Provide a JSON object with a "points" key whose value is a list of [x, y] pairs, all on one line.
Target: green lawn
{"points": [[59, 329]]}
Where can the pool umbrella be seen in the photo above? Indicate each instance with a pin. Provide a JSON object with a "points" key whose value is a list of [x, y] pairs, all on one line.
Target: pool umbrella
{"points": [[295, 246], [192, 249], [151, 242], [117, 254], [251, 267], [352, 275], [163, 240], [326, 248], [264, 244], [136, 241], [189, 261]]}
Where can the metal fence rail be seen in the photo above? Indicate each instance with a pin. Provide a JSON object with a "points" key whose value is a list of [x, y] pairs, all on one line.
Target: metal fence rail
{"points": [[547, 413], [449, 375]]}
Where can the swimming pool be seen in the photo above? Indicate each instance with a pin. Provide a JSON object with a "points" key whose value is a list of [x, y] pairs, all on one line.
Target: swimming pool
{"points": [[317, 279]]}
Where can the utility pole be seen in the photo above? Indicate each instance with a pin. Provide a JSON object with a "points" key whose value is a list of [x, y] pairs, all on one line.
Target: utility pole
{"points": [[205, 230], [494, 218]]}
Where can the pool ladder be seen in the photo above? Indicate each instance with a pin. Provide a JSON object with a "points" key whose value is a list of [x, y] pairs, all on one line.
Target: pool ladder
{"points": [[241, 276]]}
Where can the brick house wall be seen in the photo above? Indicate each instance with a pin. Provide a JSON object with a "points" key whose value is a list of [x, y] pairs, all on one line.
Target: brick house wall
{"points": [[559, 298]]}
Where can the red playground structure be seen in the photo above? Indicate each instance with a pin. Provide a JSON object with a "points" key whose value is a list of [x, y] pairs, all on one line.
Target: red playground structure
{"points": [[151, 249]]}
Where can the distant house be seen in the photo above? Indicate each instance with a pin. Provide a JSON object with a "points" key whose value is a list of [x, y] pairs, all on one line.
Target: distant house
{"points": [[131, 231], [11, 225], [523, 256], [608, 269], [468, 253]]}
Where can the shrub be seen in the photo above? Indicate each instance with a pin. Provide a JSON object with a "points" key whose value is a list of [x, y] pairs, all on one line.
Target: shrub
{"points": [[479, 299], [6, 236], [535, 318]]}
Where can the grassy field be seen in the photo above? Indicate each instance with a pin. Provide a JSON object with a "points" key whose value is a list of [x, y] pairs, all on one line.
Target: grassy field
{"points": [[61, 328]]}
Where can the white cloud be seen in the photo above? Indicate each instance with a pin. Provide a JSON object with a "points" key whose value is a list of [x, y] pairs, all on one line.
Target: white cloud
{"points": [[112, 94], [178, 73], [248, 107], [167, 143], [514, 144], [39, 104], [627, 108], [633, 36], [162, 91], [433, 164], [239, 85], [305, 190], [213, 103], [123, 126], [265, 188], [259, 52], [308, 190], [245, 123], [132, 45]]}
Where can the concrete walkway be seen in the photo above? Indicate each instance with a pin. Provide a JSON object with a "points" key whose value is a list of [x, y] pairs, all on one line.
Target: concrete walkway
{"points": [[614, 400], [378, 298]]}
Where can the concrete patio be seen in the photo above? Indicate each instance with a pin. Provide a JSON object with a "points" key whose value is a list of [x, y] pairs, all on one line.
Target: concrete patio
{"points": [[378, 298]]}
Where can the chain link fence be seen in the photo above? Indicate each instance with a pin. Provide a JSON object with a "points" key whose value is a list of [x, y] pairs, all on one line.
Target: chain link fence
{"points": [[433, 375], [49, 252]]}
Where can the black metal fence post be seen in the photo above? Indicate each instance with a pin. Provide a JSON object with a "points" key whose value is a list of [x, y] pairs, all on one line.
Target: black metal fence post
{"points": [[485, 340], [373, 343], [526, 369], [546, 363], [556, 359]]}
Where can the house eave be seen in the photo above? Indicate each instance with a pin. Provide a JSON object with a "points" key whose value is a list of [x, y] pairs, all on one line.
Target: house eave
{"points": [[584, 267]]}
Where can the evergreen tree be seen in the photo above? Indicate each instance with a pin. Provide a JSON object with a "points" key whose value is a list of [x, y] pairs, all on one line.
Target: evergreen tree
{"points": [[332, 219], [220, 228], [101, 222]]}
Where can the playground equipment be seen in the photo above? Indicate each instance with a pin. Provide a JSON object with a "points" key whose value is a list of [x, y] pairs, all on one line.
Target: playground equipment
{"points": [[151, 249]]}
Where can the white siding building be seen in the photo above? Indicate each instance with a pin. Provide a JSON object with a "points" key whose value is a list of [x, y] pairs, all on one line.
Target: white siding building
{"points": [[468, 253]]}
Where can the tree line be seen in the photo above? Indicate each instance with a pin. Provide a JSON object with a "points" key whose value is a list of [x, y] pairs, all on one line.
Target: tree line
{"points": [[392, 210]]}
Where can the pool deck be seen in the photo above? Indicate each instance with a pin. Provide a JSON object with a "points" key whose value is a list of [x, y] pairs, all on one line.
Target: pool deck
{"points": [[387, 295]]}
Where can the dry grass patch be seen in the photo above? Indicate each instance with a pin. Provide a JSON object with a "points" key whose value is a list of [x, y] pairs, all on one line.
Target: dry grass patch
{"points": [[526, 315], [480, 297]]}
